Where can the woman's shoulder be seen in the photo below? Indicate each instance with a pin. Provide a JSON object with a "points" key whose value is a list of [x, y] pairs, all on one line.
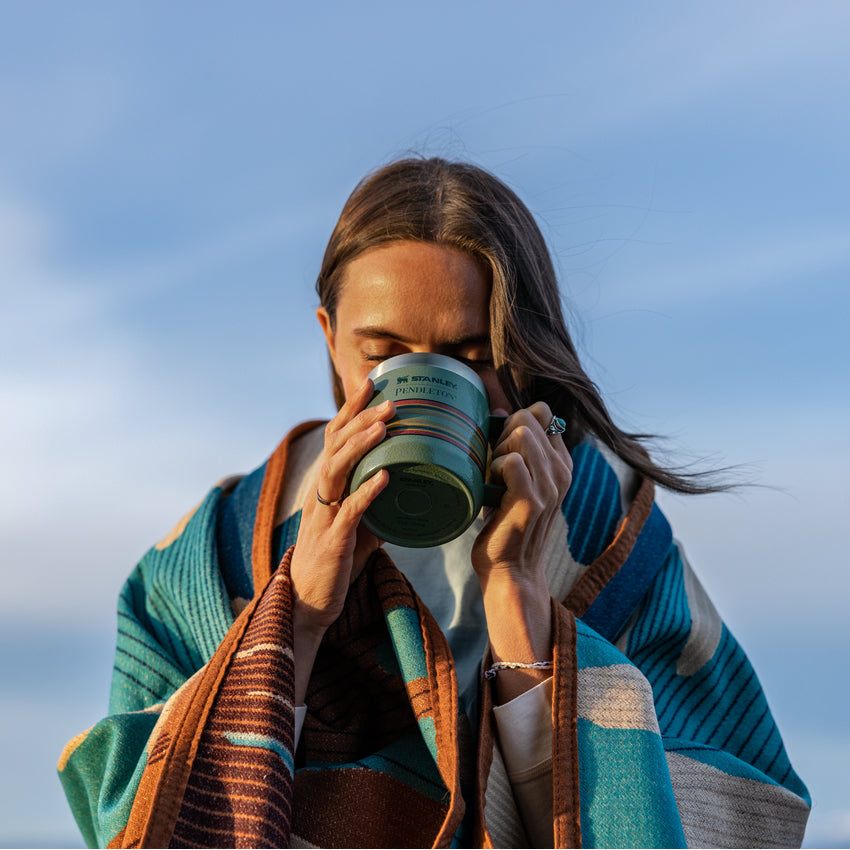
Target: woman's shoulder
{"points": [[295, 461]]}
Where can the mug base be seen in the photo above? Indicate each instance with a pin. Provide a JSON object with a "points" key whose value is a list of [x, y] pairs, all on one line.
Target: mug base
{"points": [[424, 504]]}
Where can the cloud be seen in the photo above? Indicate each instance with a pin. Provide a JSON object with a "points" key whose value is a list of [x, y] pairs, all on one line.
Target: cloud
{"points": [[103, 445], [774, 259], [55, 111], [767, 552], [649, 71]]}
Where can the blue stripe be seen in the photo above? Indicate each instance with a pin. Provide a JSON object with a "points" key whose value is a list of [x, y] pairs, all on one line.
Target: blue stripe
{"points": [[583, 472], [766, 725], [585, 518], [619, 598], [721, 698], [726, 718], [704, 680], [599, 532], [676, 619]]}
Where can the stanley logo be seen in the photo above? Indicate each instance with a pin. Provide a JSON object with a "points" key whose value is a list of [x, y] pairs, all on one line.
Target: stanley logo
{"points": [[428, 379]]}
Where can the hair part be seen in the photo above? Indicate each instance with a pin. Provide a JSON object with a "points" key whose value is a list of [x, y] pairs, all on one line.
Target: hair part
{"points": [[463, 206]]}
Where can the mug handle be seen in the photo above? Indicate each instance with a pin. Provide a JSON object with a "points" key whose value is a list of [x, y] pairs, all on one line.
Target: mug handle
{"points": [[492, 496]]}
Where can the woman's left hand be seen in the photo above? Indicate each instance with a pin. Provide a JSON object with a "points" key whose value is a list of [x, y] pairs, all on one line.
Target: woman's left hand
{"points": [[536, 469], [507, 556]]}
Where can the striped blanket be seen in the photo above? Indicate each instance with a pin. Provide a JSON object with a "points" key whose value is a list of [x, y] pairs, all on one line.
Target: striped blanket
{"points": [[661, 734]]}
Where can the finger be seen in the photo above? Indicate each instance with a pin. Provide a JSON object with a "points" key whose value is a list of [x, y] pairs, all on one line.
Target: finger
{"points": [[542, 413], [362, 421], [538, 417], [510, 469], [544, 416], [517, 419], [525, 440], [356, 406], [352, 509], [338, 523], [548, 461], [352, 406], [337, 468]]}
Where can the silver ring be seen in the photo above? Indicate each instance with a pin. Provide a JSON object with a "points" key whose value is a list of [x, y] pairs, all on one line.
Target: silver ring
{"points": [[556, 426], [322, 501]]}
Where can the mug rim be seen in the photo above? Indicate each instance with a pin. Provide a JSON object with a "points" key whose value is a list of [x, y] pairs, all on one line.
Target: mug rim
{"points": [[426, 358]]}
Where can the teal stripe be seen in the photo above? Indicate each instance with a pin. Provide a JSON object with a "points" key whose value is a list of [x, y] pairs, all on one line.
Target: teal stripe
{"points": [[624, 785], [406, 634], [262, 742], [429, 733], [592, 650]]}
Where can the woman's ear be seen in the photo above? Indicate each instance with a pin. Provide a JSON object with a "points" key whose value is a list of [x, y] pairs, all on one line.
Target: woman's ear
{"points": [[328, 330]]}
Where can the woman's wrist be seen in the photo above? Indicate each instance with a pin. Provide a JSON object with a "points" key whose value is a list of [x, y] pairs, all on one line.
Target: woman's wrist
{"points": [[519, 623]]}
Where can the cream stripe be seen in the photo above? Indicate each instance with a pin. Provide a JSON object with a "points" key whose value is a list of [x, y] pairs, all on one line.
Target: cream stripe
{"points": [[719, 810], [706, 625], [263, 647], [616, 697], [562, 571], [274, 696], [500, 808]]}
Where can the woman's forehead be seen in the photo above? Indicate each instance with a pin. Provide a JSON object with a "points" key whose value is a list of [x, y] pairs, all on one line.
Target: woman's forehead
{"points": [[414, 287]]}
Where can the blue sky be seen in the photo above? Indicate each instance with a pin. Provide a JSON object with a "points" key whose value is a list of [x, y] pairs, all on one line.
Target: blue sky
{"points": [[169, 175]]}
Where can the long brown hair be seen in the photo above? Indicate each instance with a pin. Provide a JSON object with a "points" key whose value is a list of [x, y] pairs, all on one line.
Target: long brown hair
{"points": [[466, 207]]}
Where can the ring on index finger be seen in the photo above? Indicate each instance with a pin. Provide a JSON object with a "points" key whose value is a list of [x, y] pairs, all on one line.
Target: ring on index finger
{"points": [[556, 426], [328, 503]]}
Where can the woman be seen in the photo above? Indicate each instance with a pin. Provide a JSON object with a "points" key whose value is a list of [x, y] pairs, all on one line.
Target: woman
{"points": [[344, 704]]}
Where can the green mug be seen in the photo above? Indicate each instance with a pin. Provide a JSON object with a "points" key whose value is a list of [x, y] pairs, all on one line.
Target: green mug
{"points": [[435, 451]]}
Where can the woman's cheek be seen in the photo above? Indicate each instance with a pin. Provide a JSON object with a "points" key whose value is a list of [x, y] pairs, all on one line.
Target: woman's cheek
{"points": [[352, 373]]}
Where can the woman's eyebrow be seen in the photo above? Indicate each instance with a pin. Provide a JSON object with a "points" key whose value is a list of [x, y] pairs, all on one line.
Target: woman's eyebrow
{"points": [[377, 332], [472, 339], [373, 332]]}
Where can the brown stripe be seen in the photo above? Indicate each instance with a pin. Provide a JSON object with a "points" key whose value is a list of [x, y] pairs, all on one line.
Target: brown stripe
{"points": [[241, 804], [118, 841], [565, 781], [165, 786], [193, 835], [259, 820], [160, 748], [486, 742], [363, 808], [160, 794], [603, 569], [391, 585], [270, 493]]}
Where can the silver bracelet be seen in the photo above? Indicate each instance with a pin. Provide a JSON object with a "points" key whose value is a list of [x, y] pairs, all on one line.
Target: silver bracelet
{"points": [[514, 665]]}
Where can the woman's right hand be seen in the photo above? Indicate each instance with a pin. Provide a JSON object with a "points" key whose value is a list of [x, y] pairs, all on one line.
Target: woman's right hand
{"points": [[333, 546]]}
